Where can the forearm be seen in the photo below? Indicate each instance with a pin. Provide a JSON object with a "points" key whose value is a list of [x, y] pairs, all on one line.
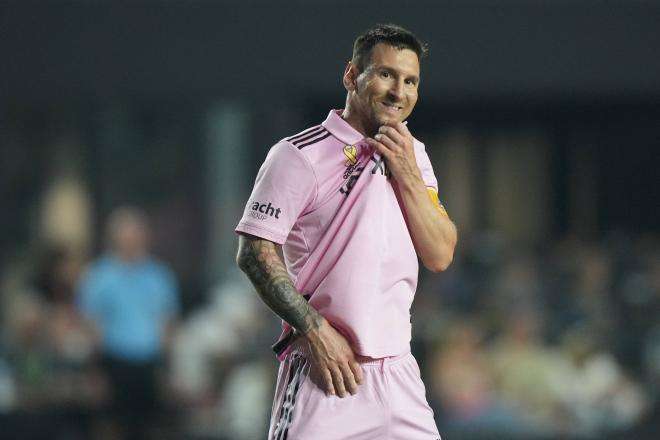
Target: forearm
{"points": [[433, 233], [259, 260]]}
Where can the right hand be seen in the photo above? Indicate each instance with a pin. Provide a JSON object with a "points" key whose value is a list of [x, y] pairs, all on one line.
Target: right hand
{"points": [[334, 360]]}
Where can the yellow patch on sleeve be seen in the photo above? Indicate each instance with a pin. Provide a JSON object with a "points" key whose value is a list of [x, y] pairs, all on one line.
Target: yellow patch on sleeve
{"points": [[436, 201]]}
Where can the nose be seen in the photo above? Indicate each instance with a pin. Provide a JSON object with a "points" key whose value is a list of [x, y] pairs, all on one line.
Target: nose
{"points": [[396, 89]]}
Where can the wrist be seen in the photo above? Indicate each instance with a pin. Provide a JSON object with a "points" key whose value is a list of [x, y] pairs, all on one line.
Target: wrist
{"points": [[313, 333], [314, 322]]}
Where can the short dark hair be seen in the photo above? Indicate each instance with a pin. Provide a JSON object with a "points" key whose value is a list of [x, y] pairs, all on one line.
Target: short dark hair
{"points": [[390, 34]]}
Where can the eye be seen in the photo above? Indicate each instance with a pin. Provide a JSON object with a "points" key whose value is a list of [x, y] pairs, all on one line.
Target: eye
{"points": [[410, 82], [385, 74]]}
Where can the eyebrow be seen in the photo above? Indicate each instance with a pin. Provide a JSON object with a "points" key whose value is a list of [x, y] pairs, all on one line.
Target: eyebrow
{"points": [[391, 69]]}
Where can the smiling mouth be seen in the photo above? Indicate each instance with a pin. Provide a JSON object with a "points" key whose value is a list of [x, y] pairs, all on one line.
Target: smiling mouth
{"points": [[392, 107]]}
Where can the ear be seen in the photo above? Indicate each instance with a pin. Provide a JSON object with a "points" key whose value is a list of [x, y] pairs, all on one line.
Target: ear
{"points": [[350, 77]]}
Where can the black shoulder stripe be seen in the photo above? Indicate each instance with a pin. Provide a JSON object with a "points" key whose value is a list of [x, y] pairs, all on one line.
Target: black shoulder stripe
{"points": [[305, 132], [297, 142], [313, 141]]}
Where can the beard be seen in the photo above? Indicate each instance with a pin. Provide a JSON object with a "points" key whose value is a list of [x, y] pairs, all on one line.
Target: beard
{"points": [[378, 117]]}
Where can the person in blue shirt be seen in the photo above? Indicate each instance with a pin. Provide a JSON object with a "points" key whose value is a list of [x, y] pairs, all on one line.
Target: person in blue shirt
{"points": [[131, 299]]}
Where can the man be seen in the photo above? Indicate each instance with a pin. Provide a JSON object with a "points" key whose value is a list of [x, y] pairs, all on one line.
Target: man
{"points": [[350, 204], [131, 299]]}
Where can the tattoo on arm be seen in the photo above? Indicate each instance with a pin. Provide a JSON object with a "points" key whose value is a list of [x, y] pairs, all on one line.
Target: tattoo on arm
{"points": [[259, 260]]}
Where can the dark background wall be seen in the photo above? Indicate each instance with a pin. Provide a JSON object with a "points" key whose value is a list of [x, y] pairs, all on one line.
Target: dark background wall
{"points": [[122, 77], [509, 48]]}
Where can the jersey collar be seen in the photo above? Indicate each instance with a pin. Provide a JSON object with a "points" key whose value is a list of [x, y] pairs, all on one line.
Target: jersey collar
{"points": [[341, 129]]}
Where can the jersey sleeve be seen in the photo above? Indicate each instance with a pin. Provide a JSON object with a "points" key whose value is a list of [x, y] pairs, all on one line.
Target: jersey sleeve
{"points": [[284, 188], [428, 175], [424, 164]]}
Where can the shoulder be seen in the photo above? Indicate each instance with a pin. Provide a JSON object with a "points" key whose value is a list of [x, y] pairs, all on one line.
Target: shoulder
{"points": [[420, 150], [305, 149], [160, 273], [308, 137], [419, 145], [159, 267], [100, 267], [98, 273]]}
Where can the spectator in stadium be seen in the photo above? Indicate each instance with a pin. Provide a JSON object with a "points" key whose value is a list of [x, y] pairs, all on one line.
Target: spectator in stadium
{"points": [[131, 298]]}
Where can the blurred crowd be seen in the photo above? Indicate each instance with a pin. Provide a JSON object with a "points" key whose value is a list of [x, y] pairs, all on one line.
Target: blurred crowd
{"points": [[556, 340]]}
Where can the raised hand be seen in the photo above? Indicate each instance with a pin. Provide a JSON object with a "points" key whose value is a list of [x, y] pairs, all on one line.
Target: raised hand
{"points": [[395, 143]]}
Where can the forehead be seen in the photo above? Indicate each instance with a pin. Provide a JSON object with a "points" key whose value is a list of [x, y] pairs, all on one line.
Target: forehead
{"points": [[403, 60]]}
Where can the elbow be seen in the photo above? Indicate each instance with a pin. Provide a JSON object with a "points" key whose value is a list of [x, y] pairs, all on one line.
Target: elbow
{"points": [[444, 254], [242, 258], [439, 264], [441, 261], [239, 262], [242, 261]]}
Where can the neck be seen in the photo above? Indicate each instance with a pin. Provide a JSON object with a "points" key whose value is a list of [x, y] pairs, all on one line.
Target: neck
{"points": [[352, 116]]}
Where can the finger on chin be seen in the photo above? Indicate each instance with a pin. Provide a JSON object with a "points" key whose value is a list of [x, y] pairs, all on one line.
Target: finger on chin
{"points": [[378, 146], [393, 134], [399, 126]]}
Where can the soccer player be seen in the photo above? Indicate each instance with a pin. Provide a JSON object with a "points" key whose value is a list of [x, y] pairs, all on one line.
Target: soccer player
{"points": [[330, 238]]}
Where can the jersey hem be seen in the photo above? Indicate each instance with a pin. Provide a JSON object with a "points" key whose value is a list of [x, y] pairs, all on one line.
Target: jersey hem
{"points": [[381, 352], [260, 232]]}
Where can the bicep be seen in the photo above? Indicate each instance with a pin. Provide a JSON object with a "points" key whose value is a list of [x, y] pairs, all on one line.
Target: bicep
{"points": [[258, 256]]}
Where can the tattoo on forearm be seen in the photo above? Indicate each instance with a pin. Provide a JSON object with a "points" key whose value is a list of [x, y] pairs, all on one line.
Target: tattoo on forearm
{"points": [[263, 266]]}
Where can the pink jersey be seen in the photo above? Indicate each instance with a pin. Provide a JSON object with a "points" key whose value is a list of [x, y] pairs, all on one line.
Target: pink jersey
{"points": [[328, 199]]}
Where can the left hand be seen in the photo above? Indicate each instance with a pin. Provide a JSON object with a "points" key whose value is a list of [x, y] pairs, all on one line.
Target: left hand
{"points": [[395, 143]]}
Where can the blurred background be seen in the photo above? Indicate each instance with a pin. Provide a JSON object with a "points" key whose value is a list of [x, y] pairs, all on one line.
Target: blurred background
{"points": [[134, 128]]}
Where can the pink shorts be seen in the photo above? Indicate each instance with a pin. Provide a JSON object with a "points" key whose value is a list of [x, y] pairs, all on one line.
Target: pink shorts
{"points": [[390, 404]]}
